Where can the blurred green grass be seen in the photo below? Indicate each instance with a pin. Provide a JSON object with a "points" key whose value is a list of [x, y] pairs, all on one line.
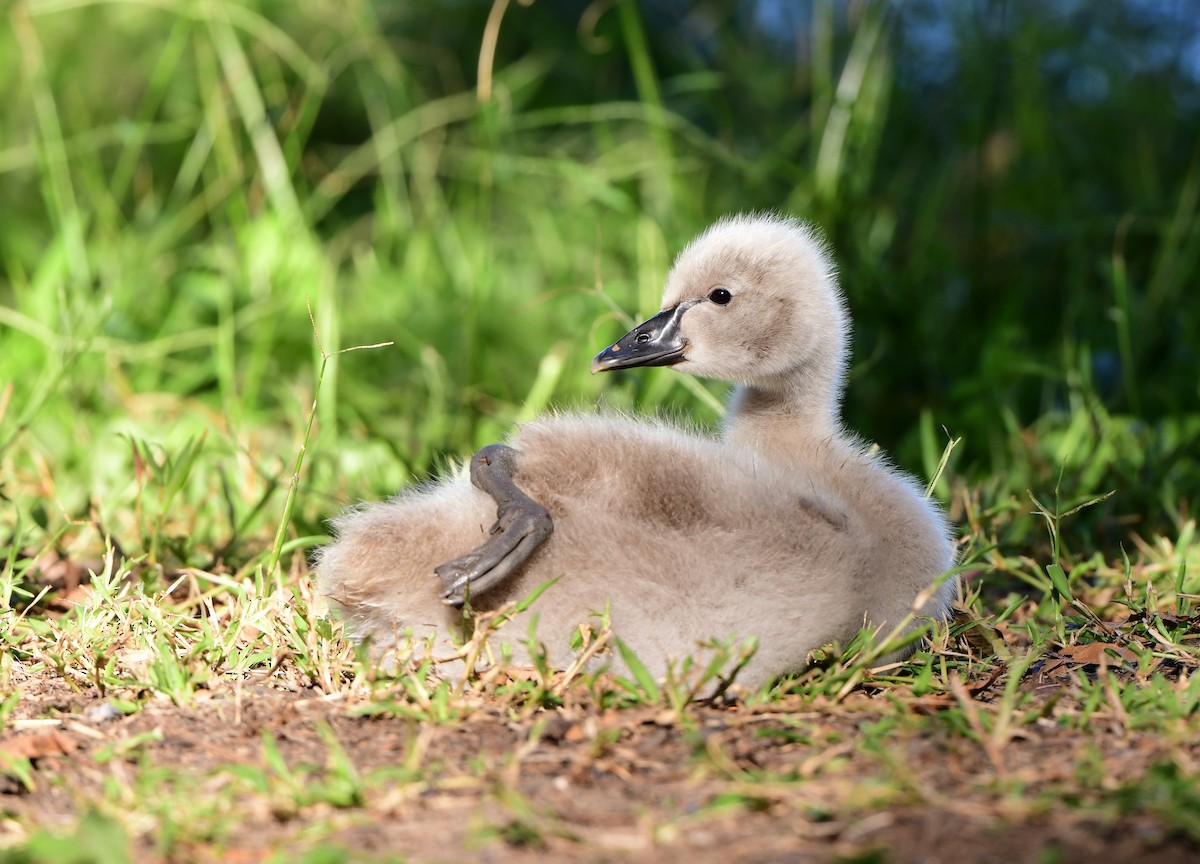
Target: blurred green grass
{"points": [[1012, 201]]}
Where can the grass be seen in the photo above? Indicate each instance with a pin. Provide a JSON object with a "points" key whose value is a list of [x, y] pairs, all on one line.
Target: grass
{"points": [[190, 200]]}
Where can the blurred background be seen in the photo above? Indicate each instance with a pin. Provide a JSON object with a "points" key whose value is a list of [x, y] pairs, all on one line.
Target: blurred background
{"points": [[1011, 190]]}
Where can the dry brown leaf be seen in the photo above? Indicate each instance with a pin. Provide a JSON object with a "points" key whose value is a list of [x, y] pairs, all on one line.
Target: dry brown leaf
{"points": [[1091, 654], [37, 745], [982, 636]]}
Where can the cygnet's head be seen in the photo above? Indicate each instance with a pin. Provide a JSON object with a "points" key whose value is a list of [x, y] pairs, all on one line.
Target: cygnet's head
{"points": [[754, 299]]}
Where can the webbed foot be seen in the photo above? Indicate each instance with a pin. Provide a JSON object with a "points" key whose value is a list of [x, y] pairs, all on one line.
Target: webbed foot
{"points": [[522, 525]]}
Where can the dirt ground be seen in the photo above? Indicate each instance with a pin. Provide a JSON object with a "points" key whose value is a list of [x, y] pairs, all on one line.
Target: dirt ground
{"points": [[788, 783]]}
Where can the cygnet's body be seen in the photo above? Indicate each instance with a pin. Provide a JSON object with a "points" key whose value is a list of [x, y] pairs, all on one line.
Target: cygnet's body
{"points": [[785, 528]]}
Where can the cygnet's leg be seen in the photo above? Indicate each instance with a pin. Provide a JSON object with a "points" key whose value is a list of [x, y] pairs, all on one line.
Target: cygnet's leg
{"points": [[522, 525]]}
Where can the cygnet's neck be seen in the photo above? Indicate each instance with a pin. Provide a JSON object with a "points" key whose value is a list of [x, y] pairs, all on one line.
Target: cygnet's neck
{"points": [[785, 420]]}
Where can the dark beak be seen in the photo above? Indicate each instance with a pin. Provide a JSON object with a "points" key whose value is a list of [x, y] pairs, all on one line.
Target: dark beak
{"points": [[656, 342]]}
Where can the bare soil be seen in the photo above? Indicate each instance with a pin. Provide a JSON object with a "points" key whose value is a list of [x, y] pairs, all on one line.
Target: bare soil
{"points": [[858, 780]]}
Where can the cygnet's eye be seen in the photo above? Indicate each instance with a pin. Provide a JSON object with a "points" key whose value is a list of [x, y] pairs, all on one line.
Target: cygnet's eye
{"points": [[720, 296]]}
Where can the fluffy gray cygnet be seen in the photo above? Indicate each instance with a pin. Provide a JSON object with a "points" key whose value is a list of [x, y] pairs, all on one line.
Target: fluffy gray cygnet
{"points": [[785, 527]]}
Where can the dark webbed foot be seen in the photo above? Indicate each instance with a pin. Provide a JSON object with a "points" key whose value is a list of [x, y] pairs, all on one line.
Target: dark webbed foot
{"points": [[522, 525]]}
